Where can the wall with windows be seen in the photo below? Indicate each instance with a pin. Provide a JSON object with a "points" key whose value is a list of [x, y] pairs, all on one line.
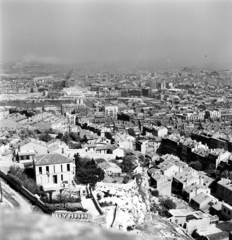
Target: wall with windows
{"points": [[226, 211], [54, 174]]}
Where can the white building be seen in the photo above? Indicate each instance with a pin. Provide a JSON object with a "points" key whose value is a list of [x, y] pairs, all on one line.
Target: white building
{"points": [[52, 169], [3, 113], [111, 111]]}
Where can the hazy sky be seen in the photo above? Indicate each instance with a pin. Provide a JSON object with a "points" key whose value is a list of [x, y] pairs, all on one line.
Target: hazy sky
{"points": [[183, 32]]}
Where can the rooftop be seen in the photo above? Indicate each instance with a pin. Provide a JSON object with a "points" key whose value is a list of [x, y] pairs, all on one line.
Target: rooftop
{"points": [[227, 183], [193, 187], [50, 159]]}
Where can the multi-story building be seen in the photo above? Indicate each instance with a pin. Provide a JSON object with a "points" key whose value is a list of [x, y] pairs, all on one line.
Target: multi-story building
{"points": [[224, 190], [162, 184], [183, 180], [226, 211], [51, 108], [216, 156], [141, 146], [3, 113], [79, 106], [193, 190], [212, 114], [170, 144], [52, 169], [111, 111]]}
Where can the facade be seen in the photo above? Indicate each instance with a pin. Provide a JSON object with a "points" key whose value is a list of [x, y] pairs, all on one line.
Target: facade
{"points": [[111, 111], [193, 190], [78, 107], [226, 211], [26, 157], [224, 190], [51, 108], [141, 146], [203, 201], [184, 179], [169, 169], [52, 169], [190, 220], [162, 184], [3, 113], [212, 114], [39, 147]]}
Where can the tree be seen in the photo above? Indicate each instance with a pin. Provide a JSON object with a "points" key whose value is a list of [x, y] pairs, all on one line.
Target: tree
{"points": [[225, 174], [59, 135], [126, 179], [74, 145], [66, 138], [164, 205], [196, 165], [75, 136], [167, 203], [25, 133], [87, 171], [64, 198], [16, 171], [45, 137], [84, 139], [128, 163], [78, 160], [18, 174]]}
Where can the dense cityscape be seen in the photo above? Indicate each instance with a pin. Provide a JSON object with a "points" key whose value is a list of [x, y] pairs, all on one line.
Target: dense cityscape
{"points": [[111, 141], [121, 147]]}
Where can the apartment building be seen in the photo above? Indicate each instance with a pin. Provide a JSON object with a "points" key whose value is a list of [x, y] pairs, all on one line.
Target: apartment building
{"points": [[224, 190]]}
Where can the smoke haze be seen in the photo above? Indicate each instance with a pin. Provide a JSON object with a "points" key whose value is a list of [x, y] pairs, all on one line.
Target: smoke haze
{"points": [[138, 32]]}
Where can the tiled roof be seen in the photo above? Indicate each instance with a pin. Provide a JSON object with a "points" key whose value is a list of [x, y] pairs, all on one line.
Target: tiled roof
{"points": [[106, 147], [50, 159]]}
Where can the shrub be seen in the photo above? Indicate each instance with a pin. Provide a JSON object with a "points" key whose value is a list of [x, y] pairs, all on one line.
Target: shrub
{"points": [[17, 174], [15, 179], [106, 204], [196, 165], [54, 207], [126, 179], [163, 207], [155, 193], [99, 197]]}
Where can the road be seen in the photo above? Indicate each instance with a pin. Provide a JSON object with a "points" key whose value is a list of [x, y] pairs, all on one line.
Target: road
{"points": [[13, 199]]}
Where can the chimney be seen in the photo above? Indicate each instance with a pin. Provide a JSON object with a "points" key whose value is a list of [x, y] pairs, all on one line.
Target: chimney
{"points": [[195, 192], [200, 180]]}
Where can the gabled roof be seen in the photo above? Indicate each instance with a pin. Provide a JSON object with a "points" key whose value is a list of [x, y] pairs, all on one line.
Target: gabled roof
{"points": [[50, 159]]}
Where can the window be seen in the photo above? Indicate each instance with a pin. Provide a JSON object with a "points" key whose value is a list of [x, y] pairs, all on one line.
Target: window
{"points": [[54, 168], [61, 177], [61, 167], [68, 167], [28, 157], [47, 168], [40, 170]]}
